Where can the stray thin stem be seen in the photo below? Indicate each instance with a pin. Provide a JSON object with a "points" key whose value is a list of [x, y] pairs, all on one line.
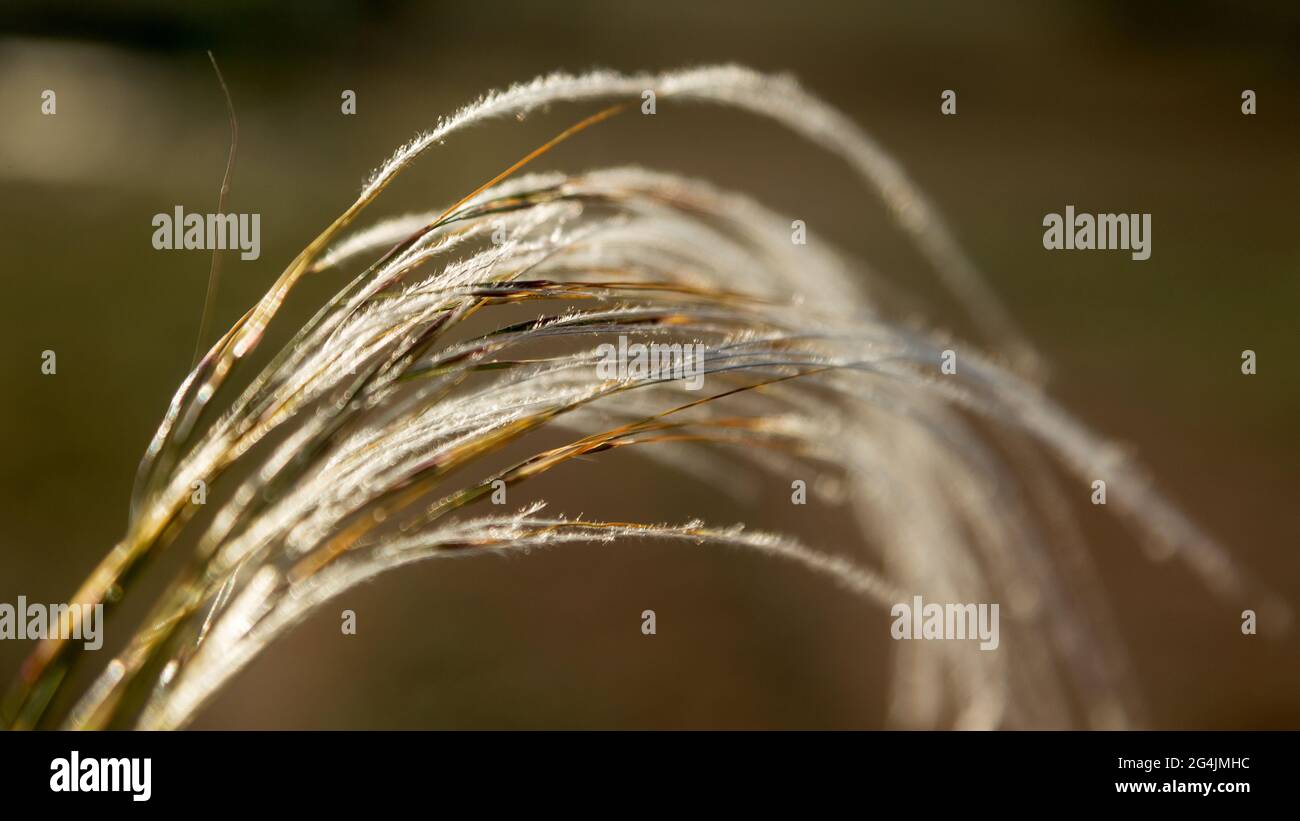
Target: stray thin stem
{"points": [[210, 297]]}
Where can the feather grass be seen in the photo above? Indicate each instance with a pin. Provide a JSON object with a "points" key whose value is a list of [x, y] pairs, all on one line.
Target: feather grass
{"points": [[362, 438]]}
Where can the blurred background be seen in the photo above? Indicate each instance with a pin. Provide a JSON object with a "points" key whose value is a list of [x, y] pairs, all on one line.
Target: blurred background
{"points": [[1106, 106]]}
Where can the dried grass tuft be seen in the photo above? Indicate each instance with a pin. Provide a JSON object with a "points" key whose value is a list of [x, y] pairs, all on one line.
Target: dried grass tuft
{"points": [[363, 435]]}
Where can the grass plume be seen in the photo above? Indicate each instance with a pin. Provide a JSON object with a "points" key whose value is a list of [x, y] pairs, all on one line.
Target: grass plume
{"points": [[362, 441]]}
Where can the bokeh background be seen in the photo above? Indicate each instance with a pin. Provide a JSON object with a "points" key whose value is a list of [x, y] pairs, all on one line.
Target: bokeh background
{"points": [[1107, 106]]}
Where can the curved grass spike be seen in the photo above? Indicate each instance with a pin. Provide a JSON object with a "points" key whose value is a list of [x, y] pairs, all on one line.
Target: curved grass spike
{"points": [[383, 425], [35, 677]]}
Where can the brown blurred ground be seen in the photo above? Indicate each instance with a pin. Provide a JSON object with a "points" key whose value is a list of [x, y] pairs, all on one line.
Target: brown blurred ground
{"points": [[1060, 104]]}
